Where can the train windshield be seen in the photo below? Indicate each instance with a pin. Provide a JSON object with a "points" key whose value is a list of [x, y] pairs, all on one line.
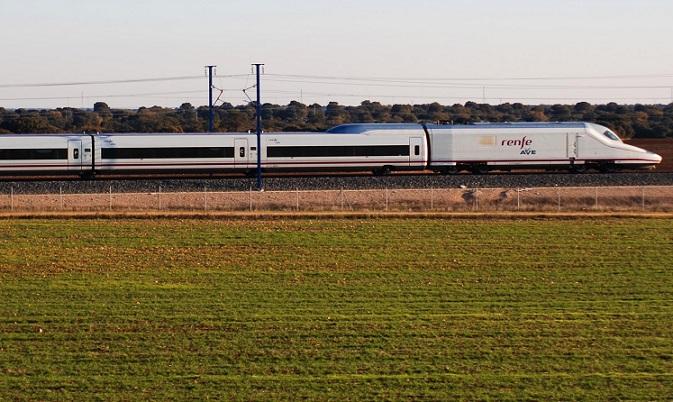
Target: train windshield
{"points": [[611, 135]]}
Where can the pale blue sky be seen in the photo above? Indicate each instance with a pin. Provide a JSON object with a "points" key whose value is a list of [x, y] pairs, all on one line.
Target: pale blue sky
{"points": [[67, 41]]}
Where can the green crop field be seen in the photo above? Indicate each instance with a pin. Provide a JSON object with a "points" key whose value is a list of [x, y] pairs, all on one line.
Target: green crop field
{"points": [[338, 309]]}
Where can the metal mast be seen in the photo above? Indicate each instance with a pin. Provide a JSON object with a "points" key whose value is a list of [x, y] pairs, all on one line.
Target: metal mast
{"points": [[210, 98], [258, 115]]}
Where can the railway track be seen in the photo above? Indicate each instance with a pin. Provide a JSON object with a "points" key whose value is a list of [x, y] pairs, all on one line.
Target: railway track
{"points": [[363, 180], [281, 175]]}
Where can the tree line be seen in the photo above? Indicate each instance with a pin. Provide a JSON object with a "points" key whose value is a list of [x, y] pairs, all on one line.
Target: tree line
{"points": [[639, 121]]}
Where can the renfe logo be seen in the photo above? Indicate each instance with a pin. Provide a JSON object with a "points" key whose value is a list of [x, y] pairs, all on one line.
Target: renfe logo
{"points": [[523, 144]]}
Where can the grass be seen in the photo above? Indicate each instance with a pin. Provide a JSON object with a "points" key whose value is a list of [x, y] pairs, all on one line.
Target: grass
{"points": [[338, 309]]}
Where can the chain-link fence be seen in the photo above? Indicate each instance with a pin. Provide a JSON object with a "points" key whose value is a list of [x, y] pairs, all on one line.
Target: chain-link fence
{"points": [[646, 198]]}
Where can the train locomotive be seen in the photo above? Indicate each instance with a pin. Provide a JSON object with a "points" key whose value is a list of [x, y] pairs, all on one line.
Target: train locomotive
{"points": [[380, 148]]}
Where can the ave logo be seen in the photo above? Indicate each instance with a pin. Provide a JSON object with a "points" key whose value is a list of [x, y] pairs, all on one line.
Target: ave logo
{"points": [[524, 145]]}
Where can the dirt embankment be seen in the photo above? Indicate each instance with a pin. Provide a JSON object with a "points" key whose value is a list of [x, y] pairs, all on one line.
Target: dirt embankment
{"points": [[661, 146], [640, 199]]}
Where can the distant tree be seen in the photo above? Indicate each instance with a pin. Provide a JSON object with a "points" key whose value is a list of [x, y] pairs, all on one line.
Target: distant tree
{"points": [[436, 112], [156, 119], [316, 118], [237, 120], [294, 116], [582, 107], [536, 114], [189, 119], [30, 121], [336, 114], [628, 120], [402, 113], [361, 114], [460, 114], [102, 108]]}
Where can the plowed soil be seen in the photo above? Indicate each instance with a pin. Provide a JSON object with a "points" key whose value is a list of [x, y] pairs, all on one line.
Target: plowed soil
{"points": [[663, 147]]}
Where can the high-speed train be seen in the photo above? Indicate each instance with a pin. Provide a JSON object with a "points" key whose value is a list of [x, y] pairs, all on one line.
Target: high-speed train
{"points": [[380, 148]]}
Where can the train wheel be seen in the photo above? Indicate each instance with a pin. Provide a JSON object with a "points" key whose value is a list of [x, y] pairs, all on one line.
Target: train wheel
{"points": [[88, 176], [578, 168], [383, 171], [606, 167], [479, 169]]}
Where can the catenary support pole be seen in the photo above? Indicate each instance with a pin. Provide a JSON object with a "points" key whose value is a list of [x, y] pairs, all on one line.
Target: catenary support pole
{"points": [[210, 98], [258, 118]]}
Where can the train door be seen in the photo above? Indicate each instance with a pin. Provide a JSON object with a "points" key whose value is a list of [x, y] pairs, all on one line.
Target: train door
{"points": [[571, 143], [86, 154], [75, 155], [241, 152], [586, 148], [415, 150]]}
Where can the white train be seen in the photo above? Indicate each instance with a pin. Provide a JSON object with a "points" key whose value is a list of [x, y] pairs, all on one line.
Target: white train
{"points": [[377, 147]]}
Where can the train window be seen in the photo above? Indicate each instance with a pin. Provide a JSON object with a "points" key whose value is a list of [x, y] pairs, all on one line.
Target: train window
{"points": [[168, 153], [38, 154], [611, 135], [241, 152], [337, 151], [417, 150]]}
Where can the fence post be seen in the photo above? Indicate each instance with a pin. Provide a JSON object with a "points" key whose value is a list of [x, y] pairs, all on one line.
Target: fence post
{"points": [[595, 197], [250, 199], [11, 198], [297, 198], [205, 198], [476, 198], [432, 198], [518, 201], [386, 192], [159, 197], [341, 193], [110, 199], [60, 197], [558, 195], [642, 198]]}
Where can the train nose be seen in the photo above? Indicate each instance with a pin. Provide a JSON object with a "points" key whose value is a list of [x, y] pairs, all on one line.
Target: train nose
{"points": [[656, 158]]}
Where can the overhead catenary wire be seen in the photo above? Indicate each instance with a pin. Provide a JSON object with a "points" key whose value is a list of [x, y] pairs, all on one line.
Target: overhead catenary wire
{"points": [[106, 82], [348, 95], [519, 78], [132, 95], [324, 79], [411, 84], [437, 89]]}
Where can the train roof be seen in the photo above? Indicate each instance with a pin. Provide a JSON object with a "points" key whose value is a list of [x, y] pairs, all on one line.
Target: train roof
{"points": [[361, 128], [358, 128], [569, 124], [351, 128]]}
